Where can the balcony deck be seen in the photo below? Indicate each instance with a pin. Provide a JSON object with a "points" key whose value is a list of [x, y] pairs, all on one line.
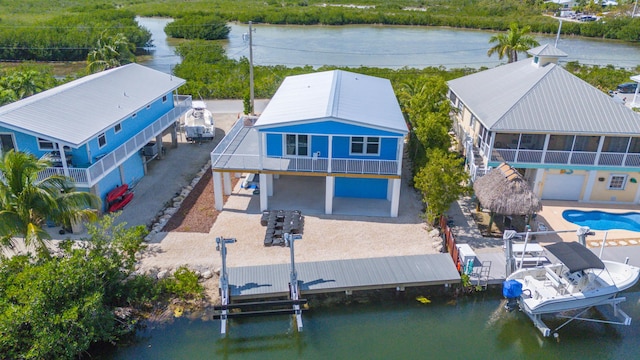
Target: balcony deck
{"points": [[239, 152]]}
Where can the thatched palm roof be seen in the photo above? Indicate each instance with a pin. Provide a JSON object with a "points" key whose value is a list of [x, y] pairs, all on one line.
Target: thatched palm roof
{"points": [[504, 191]]}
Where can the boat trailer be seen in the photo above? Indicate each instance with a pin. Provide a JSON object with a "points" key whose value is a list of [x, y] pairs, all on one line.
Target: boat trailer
{"points": [[274, 307], [623, 318]]}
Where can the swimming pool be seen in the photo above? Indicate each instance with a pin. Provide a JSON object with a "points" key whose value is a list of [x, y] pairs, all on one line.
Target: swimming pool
{"points": [[600, 220]]}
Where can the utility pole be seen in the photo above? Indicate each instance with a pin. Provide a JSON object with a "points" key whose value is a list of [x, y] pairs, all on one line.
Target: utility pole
{"points": [[251, 69]]}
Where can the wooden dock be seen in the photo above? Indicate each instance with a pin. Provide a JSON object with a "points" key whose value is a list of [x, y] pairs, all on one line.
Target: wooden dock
{"points": [[269, 281]]}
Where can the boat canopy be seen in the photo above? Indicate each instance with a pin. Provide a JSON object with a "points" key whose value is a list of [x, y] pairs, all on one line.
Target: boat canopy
{"points": [[575, 256]]}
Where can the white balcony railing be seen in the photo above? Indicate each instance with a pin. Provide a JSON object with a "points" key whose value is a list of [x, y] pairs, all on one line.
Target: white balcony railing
{"points": [[250, 162], [87, 177], [566, 157]]}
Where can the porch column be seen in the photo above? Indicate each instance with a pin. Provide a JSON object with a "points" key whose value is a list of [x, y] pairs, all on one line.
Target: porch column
{"points": [[330, 154], [264, 201], [217, 190], [174, 135], [226, 183], [159, 145], [121, 171], [63, 159], [269, 184], [328, 197], [395, 198]]}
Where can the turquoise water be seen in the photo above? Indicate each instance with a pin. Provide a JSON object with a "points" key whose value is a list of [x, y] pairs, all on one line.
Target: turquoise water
{"points": [[600, 220], [475, 327]]}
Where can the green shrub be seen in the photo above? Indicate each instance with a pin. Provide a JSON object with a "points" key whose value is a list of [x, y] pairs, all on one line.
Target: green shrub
{"points": [[183, 285]]}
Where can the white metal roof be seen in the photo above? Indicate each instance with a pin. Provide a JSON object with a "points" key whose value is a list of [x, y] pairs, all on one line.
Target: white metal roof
{"points": [[77, 111], [522, 97], [339, 95]]}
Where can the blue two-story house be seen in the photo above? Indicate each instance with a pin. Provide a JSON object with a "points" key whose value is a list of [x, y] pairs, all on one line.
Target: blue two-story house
{"points": [[343, 126], [94, 129]]}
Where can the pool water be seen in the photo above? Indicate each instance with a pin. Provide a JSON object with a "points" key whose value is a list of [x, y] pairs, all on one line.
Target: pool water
{"points": [[600, 220]]}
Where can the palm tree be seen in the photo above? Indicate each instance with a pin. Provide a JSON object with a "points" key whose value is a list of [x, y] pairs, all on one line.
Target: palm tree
{"points": [[110, 52], [26, 203], [513, 41]]}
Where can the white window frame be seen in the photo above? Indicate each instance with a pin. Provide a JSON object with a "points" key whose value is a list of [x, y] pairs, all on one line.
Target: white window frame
{"points": [[297, 147], [117, 128], [104, 137], [623, 184], [13, 141], [366, 141], [164, 99], [42, 141]]}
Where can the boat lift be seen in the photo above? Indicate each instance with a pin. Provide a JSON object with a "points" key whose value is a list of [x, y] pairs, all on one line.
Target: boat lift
{"points": [[582, 233], [224, 281], [294, 292], [624, 319]]}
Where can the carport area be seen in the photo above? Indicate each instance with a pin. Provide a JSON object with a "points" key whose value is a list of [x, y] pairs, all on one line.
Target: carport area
{"points": [[307, 194]]}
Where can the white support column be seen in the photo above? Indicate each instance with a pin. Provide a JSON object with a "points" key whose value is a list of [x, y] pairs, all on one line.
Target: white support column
{"points": [[264, 201], [328, 197], [329, 154], [389, 189], [121, 171], [591, 180], [395, 198], [226, 181], [217, 190], [269, 185], [159, 146]]}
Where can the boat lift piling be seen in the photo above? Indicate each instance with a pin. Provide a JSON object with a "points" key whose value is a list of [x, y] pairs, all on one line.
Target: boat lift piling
{"points": [[289, 240], [224, 281], [264, 307]]}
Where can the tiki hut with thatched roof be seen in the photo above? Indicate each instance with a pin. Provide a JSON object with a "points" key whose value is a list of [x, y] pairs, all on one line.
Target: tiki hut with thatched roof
{"points": [[504, 191]]}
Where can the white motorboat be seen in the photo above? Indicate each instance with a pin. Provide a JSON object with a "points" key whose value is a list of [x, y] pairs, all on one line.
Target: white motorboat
{"points": [[579, 280], [198, 123]]}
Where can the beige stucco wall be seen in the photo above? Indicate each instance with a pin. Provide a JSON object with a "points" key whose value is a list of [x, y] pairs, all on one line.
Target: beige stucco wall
{"points": [[600, 191]]}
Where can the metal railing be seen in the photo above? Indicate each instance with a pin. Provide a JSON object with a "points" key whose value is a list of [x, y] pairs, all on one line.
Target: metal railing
{"points": [[87, 177], [251, 162], [566, 157]]}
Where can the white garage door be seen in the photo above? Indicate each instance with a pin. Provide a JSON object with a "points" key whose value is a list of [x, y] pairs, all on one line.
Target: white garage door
{"points": [[562, 187]]}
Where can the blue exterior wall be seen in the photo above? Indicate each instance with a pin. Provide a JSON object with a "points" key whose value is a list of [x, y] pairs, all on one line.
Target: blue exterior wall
{"points": [[132, 169], [361, 188], [274, 145], [130, 127], [331, 128], [320, 144], [86, 154]]}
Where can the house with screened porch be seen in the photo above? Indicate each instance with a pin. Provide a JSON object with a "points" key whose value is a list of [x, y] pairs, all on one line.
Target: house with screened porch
{"points": [[340, 132], [570, 140]]}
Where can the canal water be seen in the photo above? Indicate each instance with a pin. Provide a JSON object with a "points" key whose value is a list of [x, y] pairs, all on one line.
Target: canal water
{"points": [[472, 327], [381, 46]]}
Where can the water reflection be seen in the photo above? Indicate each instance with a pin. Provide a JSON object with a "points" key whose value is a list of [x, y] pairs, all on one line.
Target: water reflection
{"points": [[381, 46]]}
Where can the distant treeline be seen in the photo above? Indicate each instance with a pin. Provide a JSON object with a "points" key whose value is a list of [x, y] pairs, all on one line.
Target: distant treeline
{"points": [[65, 31], [69, 37]]}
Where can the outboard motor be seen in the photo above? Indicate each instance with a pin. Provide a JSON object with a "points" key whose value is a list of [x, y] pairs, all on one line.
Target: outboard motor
{"points": [[512, 290]]}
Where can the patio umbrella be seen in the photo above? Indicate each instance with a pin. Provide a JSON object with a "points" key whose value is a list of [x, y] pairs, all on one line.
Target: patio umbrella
{"points": [[504, 191]]}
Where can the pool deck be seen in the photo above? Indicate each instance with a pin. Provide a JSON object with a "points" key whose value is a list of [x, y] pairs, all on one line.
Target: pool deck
{"points": [[551, 216]]}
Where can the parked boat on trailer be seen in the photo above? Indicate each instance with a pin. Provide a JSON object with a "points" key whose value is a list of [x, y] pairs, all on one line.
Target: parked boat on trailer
{"points": [[198, 123]]}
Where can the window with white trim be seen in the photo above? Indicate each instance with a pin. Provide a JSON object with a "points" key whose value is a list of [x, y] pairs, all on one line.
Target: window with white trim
{"points": [[365, 145], [164, 99], [44, 144], [102, 140], [297, 145], [117, 128], [617, 182], [6, 143]]}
